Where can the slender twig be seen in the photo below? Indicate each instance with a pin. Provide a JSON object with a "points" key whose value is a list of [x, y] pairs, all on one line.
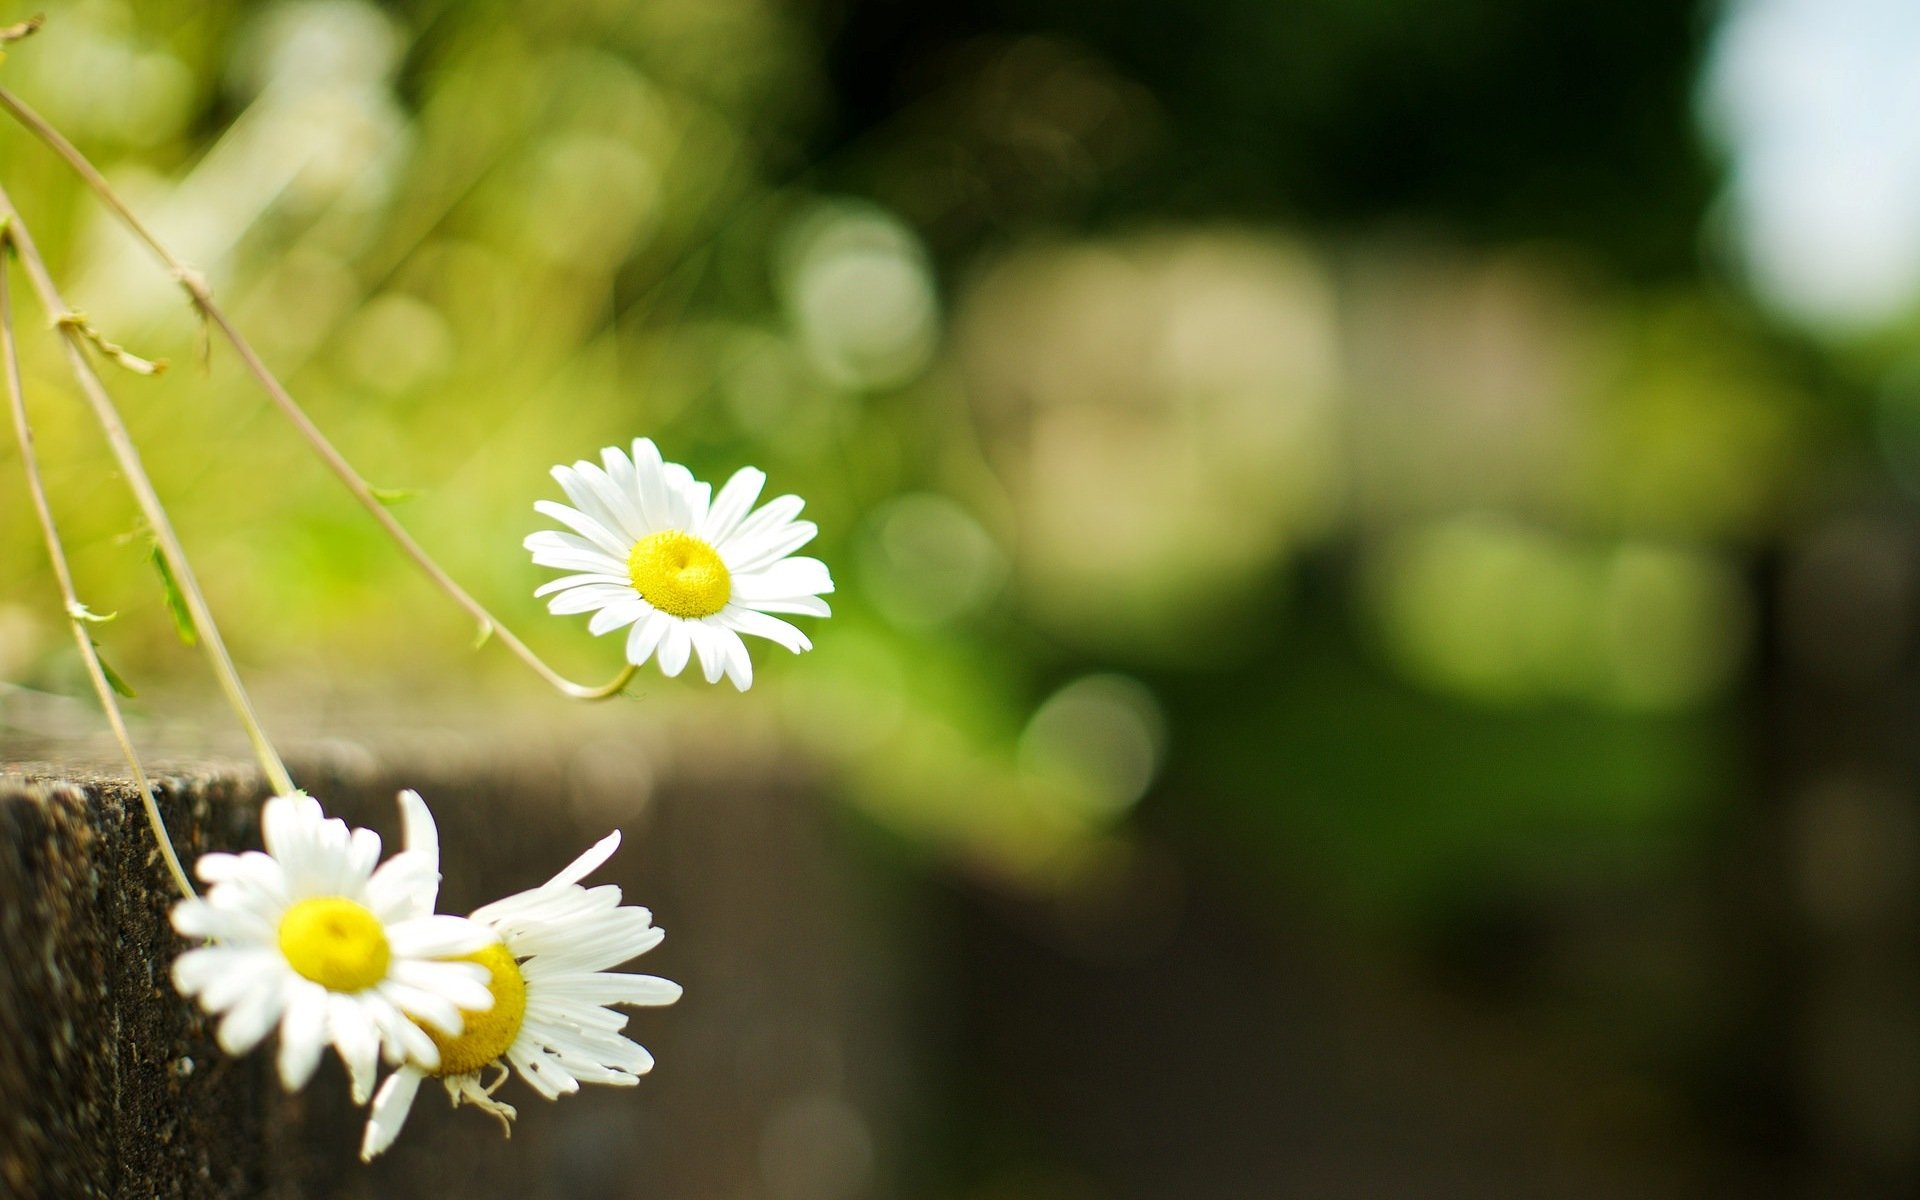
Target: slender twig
{"points": [[197, 290], [121, 442], [76, 612]]}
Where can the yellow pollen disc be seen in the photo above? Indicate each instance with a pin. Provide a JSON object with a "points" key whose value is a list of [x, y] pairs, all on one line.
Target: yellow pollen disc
{"points": [[678, 573], [485, 1036], [336, 942]]}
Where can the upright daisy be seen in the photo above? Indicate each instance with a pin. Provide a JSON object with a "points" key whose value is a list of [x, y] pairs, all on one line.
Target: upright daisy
{"points": [[685, 572], [309, 936], [550, 986]]}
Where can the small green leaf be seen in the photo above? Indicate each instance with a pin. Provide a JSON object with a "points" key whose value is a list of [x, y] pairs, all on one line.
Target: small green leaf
{"points": [[81, 612], [486, 634], [393, 496], [114, 680], [176, 603]]}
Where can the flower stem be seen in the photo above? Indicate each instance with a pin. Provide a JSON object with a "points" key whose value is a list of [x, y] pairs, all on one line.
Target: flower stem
{"points": [[202, 297], [124, 451], [30, 462]]}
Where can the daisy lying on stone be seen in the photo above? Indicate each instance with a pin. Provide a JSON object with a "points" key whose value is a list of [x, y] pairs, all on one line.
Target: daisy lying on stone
{"points": [[685, 572], [312, 938], [550, 985]]}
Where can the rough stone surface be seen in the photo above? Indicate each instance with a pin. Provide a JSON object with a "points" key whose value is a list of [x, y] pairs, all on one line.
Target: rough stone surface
{"points": [[108, 1085]]}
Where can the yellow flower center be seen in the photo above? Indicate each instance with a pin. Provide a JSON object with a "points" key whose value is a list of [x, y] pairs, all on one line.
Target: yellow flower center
{"points": [[336, 942], [678, 573], [485, 1036]]}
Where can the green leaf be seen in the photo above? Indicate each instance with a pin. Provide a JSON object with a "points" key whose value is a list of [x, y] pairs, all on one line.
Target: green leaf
{"points": [[114, 680], [393, 496], [486, 634], [81, 612], [176, 603]]}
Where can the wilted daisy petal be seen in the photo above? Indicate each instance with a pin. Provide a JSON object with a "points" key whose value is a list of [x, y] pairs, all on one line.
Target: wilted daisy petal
{"points": [[686, 572], [549, 1020], [313, 934]]}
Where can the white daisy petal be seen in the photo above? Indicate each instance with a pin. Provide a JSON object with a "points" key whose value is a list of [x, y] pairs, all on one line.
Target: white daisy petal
{"points": [[774, 513], [465, 984], [303, 1034], [730, 507], [710, 649], [617, 615], [787, 578], [437, 937], [581, 482], [389, 1112], [745, 555], [675, 645], [798, 606], [627, 522], [352, 1032], [759, 624], [655, 497], [418, 832], [251, 1017], [590, 596], [587, 863], [645, 637], [406, 885], [567, 581], [739, 662], [600, 535]]}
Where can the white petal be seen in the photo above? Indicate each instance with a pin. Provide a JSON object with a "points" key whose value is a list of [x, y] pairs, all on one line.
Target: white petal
{"points": [[675, 646], [745, 555], [585, 486], [649, 472], [625, 484], [645, 637], [739, 662], [618, 614], [405, 886], [587, 863], [463, 983], [730, 507], [425, 1006], [759, 624], [712, 651], [688, 498], [606, 539], [608, 987], [389, 1113], [774, 514], [438, 937], [418, 832], [251, 1018], [566, 581], [568, 552], [286, 822], [353, 1035], [798, 606], [303, 1034], [782, 580], [589, 596]]}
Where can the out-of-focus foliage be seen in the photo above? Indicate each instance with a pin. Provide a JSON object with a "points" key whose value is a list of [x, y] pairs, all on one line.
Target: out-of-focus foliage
{"points": [[1300, 407]]}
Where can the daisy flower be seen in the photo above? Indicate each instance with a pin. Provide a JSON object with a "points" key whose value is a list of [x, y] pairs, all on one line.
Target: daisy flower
{"points": [[551, 988], [310, 937], [683, 571]]}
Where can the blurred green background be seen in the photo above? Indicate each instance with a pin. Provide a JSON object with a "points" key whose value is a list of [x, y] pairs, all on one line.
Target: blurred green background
{"points": [[1406, 495]]}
